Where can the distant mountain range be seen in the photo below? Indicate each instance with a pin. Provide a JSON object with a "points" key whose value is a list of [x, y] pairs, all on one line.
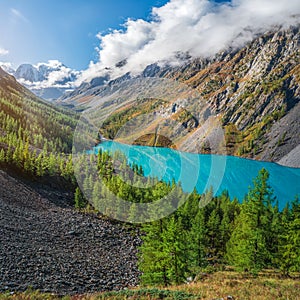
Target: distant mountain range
{"points": [[47, 80]]}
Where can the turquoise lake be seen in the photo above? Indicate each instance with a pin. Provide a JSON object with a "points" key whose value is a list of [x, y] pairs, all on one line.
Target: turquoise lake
{"points": [[201, 171]]}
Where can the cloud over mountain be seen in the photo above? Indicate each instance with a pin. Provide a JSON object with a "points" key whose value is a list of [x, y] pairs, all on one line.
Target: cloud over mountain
{"points": [[47, 80], [52, 74], [197, 27], [3, 51]]}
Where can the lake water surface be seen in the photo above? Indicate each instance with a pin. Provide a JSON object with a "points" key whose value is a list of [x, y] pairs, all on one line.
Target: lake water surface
{"points": [[201, 171]]}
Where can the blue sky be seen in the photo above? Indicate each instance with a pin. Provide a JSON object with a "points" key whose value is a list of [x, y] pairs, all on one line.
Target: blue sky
{"points": [[38, 30]]}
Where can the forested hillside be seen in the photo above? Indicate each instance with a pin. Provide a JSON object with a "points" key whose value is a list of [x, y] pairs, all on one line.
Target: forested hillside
{"points": [[35, 136], [45, 243]]}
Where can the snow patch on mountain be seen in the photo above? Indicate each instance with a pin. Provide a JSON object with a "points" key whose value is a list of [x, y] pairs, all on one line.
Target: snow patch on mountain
{"points": [[28, 72], [52, 74], [7, 67], [47, 80]]}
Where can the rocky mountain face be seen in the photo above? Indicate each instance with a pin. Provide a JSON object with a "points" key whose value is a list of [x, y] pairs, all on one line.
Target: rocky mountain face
{"points": [[256, 92], [29, 73], [253, 92]]}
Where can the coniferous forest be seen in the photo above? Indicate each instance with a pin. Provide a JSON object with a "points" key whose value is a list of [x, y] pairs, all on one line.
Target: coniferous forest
{"points": [[35, 136], [206, 233]]}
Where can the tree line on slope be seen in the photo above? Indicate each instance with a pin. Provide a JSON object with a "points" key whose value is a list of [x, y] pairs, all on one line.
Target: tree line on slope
{"points": [[35, 136], [205, 232]]}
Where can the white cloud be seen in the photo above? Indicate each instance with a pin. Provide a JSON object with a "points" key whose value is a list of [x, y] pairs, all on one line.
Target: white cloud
{"points": [[52, 63], [199, 27], [5, 64], [18, 15], [3, 51]]}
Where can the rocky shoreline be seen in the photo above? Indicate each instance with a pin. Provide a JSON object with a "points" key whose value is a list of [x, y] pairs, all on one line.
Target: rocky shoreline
{"points": [[56, 249]]}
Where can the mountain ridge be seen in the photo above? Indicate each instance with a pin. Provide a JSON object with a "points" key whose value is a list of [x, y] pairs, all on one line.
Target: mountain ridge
{"points": [[249, 90]]}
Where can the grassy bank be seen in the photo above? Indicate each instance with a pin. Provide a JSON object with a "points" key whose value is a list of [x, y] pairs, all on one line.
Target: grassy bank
{"points": [[221, 285]]}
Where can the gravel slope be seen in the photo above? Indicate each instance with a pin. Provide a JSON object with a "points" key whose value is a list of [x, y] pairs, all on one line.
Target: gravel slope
{"points": [[283, 140], [292, 159], [56, 249]]}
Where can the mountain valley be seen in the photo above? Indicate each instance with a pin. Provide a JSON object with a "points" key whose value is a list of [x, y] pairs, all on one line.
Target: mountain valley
{"points": [[61, 192], [253, 92]]}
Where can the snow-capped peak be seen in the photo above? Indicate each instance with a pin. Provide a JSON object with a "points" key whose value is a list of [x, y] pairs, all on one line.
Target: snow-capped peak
{"points": [[29, 73], [48, 80]]}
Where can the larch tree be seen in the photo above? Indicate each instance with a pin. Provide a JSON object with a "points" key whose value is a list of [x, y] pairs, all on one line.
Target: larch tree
{"points": [[248, 248]]}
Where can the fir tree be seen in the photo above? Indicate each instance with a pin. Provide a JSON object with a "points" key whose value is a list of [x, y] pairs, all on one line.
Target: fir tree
{"points": [[175, 245], [289, 245], [80, 202], [197, 242], [248, 248], [154, 260], [2, 155]]}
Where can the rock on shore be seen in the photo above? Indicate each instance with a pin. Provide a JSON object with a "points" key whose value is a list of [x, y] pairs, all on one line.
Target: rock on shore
{"points": [[56, 249]]}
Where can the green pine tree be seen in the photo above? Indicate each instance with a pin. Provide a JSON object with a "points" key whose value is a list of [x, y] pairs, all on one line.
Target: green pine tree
{"points": [[175, 246], [289, 244], [197, 242], [153, 259], [2, 155], [248, 248], [80, 202]]}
